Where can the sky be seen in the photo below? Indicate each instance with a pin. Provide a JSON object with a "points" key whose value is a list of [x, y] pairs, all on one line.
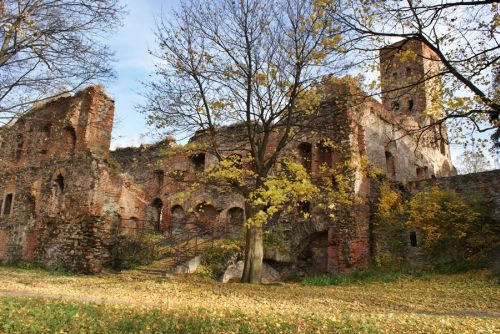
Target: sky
{"points": [[134, 64], [131, 43]]}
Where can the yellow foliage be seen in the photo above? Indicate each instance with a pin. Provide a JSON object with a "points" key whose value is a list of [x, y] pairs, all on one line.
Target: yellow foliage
{"points": [[390, 202], [289, 185], [465, 303], [443, 215]]}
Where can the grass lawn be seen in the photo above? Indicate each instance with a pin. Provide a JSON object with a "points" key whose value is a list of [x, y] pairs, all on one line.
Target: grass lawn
{"points": [[132, 302]]}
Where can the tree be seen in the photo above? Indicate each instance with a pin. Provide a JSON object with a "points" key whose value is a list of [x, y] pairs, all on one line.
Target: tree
{"points": [[253, 63], [51, 45], [463, 34], [473, 162]]}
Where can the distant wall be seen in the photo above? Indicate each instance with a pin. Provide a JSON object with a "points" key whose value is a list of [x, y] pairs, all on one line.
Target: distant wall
{"points": [[486, 183]]}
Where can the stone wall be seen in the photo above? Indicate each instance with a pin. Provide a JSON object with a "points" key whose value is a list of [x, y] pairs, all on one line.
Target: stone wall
{"points": [[485, 183], [51, 190], [398, 241]]}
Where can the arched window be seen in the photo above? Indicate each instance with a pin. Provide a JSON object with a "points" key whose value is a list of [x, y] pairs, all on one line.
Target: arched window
{"points": [[59, 183], [57, 194], [305, 153], [198, 162], [207, 216], [45, 138], [304, 207], [410, 105], [19, 146], [206, 212]]}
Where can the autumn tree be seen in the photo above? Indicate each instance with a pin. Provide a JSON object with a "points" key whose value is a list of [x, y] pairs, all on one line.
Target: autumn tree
{"points": [[463, 34], [253, 63], [50, 46]]}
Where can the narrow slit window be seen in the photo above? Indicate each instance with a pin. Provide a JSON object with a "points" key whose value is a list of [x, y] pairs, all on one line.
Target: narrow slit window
{"points": [[7, 208], [413, 239]]}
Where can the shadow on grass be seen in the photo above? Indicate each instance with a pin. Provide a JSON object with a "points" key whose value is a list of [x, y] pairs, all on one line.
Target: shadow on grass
{"points": [[389, 275], [40, 315]]}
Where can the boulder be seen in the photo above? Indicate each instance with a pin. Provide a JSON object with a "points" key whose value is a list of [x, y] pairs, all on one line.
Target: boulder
{"points": [[234, 272]]}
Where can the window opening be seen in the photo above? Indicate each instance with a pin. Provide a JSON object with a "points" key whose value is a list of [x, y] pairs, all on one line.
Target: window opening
{"points": [[305, 152], [413, 239], [391, 165], [7, 209], [198, 161]]}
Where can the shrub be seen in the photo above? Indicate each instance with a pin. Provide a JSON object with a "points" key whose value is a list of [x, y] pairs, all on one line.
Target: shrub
{"points": [[451, 222], [216, 257], [390, 217], [136, 249]]}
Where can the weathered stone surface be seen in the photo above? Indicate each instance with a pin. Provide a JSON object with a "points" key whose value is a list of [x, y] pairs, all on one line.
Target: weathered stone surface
{"points": [[234, 272], [189, 266]]}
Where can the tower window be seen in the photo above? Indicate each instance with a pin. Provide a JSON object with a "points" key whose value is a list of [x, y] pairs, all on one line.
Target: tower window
{"points": [[198, 161], [413, 239], [325, 153], [305, 152], [304, 207]]}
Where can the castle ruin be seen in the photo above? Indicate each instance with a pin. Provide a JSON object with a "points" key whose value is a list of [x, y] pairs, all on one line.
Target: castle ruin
{"points": [[64, 196]]}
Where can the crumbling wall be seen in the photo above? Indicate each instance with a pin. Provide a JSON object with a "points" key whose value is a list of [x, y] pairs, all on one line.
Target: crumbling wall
{"points": [[52, 194]]}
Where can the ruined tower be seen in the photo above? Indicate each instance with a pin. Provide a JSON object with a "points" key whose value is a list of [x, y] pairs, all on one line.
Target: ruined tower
{"points": [[410, 80], [412, 89]]}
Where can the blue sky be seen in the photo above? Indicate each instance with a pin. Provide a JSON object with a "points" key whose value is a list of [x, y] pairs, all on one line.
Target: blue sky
{"points": [[130, 44]]}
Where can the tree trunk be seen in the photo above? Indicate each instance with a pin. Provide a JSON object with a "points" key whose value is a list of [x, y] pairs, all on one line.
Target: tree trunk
{"points": [[254, 254]]}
